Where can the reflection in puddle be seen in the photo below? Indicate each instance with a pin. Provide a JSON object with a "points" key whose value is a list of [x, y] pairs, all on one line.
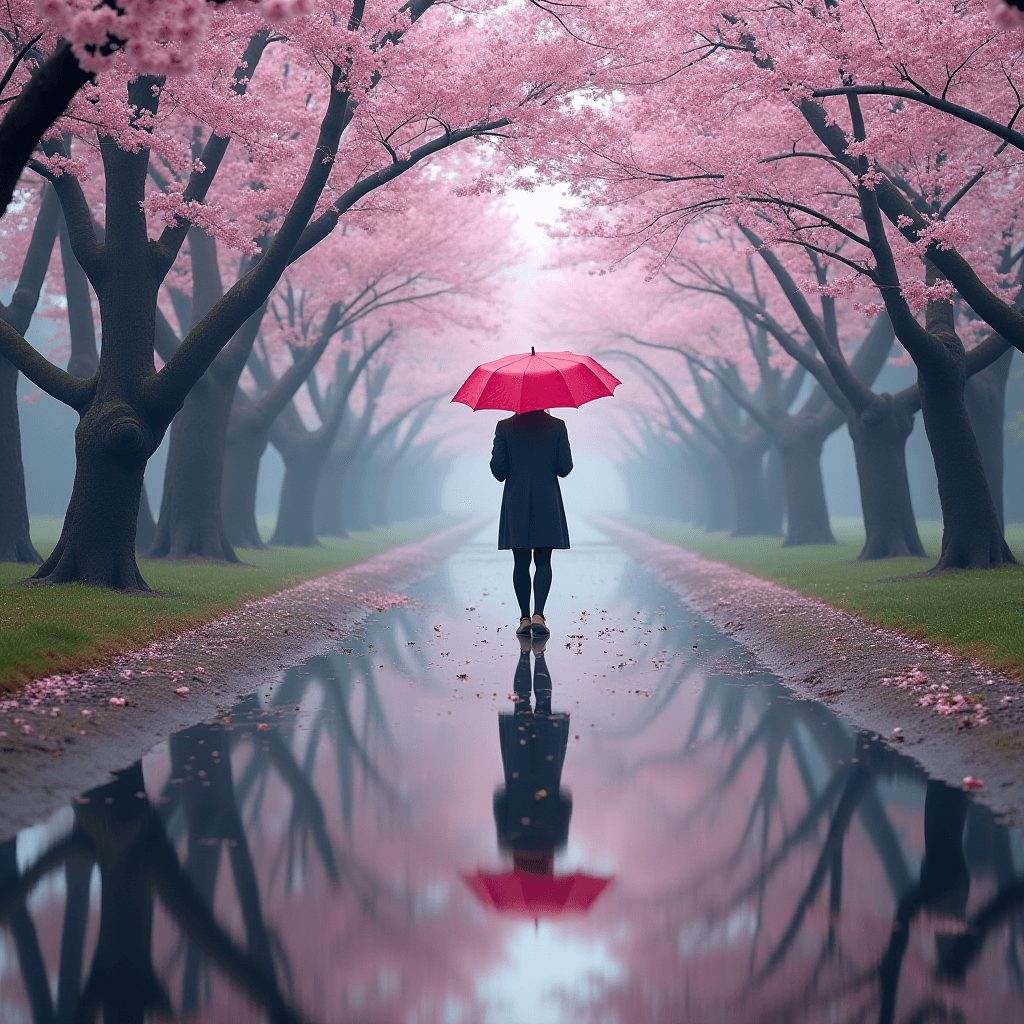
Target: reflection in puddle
{"points": [[532, 811], [388, 835]]}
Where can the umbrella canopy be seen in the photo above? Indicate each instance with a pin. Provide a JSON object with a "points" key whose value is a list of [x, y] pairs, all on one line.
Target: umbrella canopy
{"points": [[537, 380], [530, 895]]}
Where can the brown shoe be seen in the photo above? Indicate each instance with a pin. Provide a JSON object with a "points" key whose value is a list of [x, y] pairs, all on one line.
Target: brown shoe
{"points": [[539, 626], [524, 627]]}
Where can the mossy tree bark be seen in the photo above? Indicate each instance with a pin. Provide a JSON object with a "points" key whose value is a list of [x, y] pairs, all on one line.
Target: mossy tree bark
{"points": [[15, 542], [879, 429], [190, 522], [985, 395]]}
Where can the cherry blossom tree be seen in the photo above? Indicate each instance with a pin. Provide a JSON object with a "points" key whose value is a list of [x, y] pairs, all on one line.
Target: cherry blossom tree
{"points": [[754, 134], [400, 85], [419, 269], [56, 47]]}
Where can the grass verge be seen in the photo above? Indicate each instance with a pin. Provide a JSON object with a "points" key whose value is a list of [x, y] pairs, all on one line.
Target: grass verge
{"points": [[59, 629], [975, 614]]}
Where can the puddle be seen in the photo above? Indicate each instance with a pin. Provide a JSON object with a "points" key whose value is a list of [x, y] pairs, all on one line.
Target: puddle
{"points": [[415, 829]]}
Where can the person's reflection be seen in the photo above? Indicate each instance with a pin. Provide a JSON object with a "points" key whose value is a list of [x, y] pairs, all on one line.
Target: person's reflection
{"points": [[531, 811]]}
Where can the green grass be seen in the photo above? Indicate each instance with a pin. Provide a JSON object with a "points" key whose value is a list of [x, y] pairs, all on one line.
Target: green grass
{"points": [[975, 614], [58, 629]]}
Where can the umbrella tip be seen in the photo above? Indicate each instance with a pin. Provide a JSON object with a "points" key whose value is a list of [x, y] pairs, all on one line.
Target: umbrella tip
{"points": [[533, 351]]}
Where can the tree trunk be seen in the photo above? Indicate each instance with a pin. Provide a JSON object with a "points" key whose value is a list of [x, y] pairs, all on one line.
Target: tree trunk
{"points": [[353, 508], [298, 498], [15, 542], [879, 436], [97, 543], [330, 496], [145, 531], [800, 449], [750, 502], [242, 458], [376, 484], [775, 493], [717, 512], [971, 535], [190, 513], [985, 395]]}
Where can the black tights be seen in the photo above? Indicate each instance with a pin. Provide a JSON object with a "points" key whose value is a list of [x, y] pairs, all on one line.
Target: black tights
{"points": [[541, 579]]}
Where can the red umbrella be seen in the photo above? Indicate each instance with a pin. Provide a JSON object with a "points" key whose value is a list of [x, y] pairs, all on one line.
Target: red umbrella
{"points": [[540, 380], [531, 895]]}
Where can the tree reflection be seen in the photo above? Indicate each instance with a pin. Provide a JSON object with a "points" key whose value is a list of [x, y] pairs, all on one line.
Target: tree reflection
{"points": [[117, 828], [202, 811], [290, 860]]}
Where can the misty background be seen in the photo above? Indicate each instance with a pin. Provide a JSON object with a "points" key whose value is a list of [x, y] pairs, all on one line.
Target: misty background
{"points": [[595, 486]]}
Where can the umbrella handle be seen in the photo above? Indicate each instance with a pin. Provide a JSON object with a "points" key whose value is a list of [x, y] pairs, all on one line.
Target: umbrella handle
{"points": [[533, 351]]}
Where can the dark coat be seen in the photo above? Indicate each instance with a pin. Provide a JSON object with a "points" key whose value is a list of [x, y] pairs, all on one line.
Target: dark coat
{"points": [[531, 451]]}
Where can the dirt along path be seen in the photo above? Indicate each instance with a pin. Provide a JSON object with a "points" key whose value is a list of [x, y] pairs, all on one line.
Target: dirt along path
{"points": [[961, 722], [66, 733]]}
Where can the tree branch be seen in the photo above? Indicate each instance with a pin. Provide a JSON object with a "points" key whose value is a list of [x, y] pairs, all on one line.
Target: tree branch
{"points": [[1001, 131], [999, 315], [42, 100], [72, 391], [319, 229], [37, 261]]}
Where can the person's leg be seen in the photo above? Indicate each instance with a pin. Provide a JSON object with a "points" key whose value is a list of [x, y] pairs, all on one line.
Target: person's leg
{"points": [[521, 579], [541, 578]]}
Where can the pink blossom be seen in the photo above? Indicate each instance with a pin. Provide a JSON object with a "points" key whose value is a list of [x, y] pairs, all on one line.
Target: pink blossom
{"points": [[182, 691], [118, 701], [970, 782]]}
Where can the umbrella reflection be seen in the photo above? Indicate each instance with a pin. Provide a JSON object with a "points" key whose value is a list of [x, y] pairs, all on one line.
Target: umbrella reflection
{"points": [[532, 811]]}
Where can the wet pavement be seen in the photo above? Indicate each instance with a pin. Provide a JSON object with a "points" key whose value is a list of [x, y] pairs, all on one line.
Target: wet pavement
{"points": [[635, 823]]}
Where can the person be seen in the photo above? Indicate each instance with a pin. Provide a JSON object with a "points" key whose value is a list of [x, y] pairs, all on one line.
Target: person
{"points": [[531, 451], [532, 810]]}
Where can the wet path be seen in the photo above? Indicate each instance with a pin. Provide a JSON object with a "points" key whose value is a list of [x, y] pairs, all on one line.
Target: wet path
{"points": [[402, 831]]}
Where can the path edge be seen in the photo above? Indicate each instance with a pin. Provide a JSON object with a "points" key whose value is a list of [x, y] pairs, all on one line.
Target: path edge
{"points": [[835, 657], [39, 775]]}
